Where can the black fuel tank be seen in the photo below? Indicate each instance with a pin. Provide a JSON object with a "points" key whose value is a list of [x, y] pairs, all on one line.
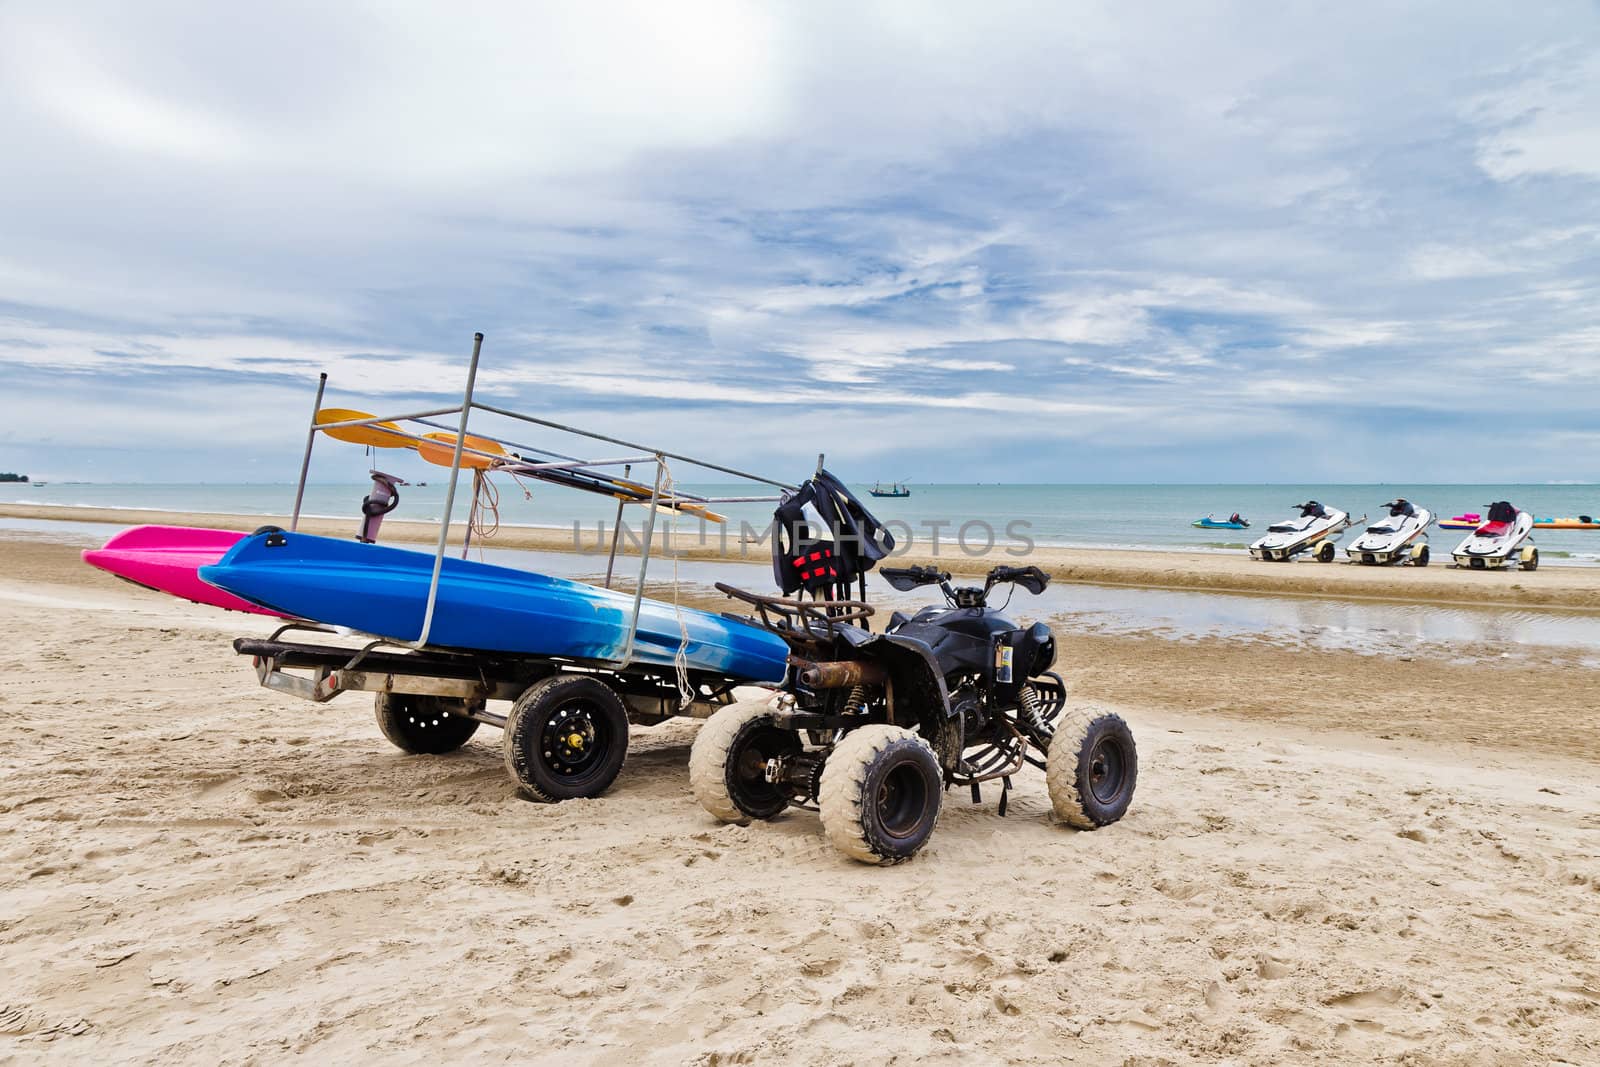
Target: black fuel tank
{"points": [[960, 638]]}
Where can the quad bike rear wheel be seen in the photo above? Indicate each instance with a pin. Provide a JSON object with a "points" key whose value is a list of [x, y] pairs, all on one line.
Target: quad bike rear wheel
{"points": [[880, 794], [1091, 768], [566, 737], [1325, 552], [728, 762], [428, 726]]}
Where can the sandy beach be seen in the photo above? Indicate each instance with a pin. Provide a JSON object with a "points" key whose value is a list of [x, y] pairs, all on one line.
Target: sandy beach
{"points": [[198, 869], [1566, 587]]}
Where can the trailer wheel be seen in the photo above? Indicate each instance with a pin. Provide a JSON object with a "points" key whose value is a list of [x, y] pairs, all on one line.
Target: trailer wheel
{"points": [[880, 794], [566, 737], [1325, 552], [1530, 559], [424, 725], [1419, 558], [727, 765], [1091, 769]]}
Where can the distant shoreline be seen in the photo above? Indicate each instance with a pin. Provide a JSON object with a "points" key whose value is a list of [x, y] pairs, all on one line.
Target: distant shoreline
{"points": [[1573, 588]]}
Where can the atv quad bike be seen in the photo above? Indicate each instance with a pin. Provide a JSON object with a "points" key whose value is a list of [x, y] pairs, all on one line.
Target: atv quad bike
{"points": [[870, 729]]}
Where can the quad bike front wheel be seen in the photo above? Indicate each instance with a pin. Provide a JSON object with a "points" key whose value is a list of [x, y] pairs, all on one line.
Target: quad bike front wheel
{"points": [[1091, 769], [728, 763], [1325, 552], [566, 737], [880, 794], [423, 725]]}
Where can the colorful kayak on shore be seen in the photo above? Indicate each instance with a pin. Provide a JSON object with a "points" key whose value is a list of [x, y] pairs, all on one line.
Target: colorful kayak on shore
{"points": [[168, 558], [481, 607]]}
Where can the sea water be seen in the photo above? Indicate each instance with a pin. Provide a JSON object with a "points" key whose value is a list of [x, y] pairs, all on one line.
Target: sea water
{"points": [[1091, 516], [1372, 628]]}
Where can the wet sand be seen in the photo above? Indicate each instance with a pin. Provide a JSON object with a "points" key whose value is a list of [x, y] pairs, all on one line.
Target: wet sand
{"points": [[1331, 858], [1549, 586]]}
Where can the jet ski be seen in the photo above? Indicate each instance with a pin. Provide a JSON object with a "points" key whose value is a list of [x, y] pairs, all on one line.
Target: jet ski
{"points": [[1499, 540], [1232, 522], [1314, 531], [1399, 537]]}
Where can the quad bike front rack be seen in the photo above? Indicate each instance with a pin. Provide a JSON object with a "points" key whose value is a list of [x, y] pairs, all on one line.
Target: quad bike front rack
{"points": [[809, 621]]}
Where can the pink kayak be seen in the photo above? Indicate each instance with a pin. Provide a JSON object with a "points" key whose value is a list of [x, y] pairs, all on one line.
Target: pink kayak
{"points": [[1469, 520], [165, 558]]}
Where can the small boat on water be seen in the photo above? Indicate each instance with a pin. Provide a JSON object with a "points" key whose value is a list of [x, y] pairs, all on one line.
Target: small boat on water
{"points": [[1467, 520], [1232, 522], [895, 489], [1581, 522]]}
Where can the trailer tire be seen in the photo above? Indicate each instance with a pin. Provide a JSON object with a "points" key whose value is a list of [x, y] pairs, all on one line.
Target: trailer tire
{"points": [[424, 725], [1091, 769], [1530, 560], [880, 794], [566, 737], [727, 759], [1325, 552], [1419, 558]]}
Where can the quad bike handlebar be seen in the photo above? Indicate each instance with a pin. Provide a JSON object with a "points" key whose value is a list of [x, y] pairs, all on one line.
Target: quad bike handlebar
{"points": [[907, 578]]}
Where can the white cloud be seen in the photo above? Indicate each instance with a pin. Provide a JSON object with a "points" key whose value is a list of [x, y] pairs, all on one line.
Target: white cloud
{"points": [[1547, 123], [1435, 262]]}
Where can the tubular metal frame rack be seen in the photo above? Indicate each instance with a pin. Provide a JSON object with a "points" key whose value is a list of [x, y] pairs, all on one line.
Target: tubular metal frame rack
{"points": [[557, 462]]}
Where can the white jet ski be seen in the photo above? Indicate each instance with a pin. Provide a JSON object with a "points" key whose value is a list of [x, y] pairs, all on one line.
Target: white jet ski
{"points": [[1502, 538], [1315, 531], [1399, 537]]}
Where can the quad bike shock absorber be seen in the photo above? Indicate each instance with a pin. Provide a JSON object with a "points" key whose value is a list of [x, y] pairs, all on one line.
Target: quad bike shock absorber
{"points": [[854, 704], [1031, 718]]}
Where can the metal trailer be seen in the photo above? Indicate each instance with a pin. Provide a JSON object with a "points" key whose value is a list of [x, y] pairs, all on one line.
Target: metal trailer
{"points": [[565, 734]]}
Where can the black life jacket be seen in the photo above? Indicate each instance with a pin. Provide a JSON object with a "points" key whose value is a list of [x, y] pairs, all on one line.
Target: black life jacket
{"points": [[824, 551]]}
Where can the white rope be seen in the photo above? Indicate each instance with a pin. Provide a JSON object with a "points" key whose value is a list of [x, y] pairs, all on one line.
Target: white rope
{"points": [[681, 659], [483, 518]]}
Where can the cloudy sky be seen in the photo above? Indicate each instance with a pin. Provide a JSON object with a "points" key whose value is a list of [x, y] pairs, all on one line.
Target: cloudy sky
{"points": [[987, 241]]}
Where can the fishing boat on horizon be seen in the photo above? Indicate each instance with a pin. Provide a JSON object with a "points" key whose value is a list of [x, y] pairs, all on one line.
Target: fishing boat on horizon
{"points": [[896, 489]]}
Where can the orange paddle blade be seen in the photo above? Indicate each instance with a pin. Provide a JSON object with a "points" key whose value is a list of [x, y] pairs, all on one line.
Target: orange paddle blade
{"points": [[443, 453], [378, 435]]}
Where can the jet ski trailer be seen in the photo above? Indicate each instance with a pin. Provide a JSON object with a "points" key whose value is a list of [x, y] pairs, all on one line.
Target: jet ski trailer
{"points": [[1314, 531], [1399, 537], [1501, 541], [565, 734]]}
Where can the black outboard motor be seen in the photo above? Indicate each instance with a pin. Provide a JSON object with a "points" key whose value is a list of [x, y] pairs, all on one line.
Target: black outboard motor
{"points": [[384, 498]]}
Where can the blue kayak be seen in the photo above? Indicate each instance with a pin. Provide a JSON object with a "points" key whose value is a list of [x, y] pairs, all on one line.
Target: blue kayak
{"points": [[384, 591], [1208, 523]]}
